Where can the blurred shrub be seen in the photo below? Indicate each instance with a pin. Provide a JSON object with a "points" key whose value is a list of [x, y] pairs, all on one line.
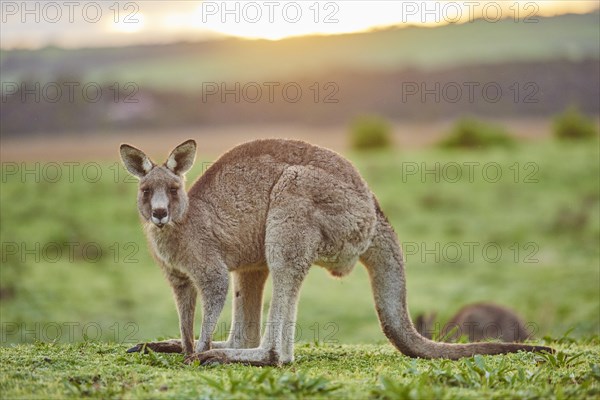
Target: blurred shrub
{"points": [[370, 132], [573, 125], [470, 133]]}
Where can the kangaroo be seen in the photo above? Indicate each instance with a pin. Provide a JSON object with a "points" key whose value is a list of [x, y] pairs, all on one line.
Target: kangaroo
{"points": [[271, 207], [480, 321]]}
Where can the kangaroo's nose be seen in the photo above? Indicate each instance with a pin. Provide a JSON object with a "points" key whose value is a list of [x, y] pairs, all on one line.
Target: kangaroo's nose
{"points": [[159, 213]]}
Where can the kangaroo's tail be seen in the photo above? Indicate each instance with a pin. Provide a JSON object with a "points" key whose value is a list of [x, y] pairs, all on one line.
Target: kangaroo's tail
{"points": [[384, 262]]}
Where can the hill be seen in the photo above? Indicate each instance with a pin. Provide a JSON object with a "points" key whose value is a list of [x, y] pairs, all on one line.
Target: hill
{"points": [[185, 66], [499, 70]]}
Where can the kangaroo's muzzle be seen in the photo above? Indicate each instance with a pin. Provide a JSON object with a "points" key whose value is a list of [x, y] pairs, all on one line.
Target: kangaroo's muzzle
{"points": [[160, 217]]}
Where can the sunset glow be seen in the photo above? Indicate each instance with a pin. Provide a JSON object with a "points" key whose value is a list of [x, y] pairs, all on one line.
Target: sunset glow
{"points": [[124, 23], [125, 27], [312, 18]]}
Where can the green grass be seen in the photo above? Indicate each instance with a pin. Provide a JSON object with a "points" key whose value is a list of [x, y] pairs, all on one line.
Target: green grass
{"points": [[370, 132], [573, 125], [470, 133], [543, 213], [99, 370]]}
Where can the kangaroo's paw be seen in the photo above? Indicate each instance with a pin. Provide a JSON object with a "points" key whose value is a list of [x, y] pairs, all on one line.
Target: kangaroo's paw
{"points": [[167, 346], [256, 357]]}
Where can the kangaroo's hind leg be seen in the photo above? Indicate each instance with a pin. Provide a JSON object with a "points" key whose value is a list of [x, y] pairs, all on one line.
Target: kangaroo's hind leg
{"points": [[275, 347], [291, 248], [247, 309]]}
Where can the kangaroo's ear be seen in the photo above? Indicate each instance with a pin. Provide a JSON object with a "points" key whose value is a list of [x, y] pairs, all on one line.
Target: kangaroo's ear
{"points": [[182, 157], [136, 162]]}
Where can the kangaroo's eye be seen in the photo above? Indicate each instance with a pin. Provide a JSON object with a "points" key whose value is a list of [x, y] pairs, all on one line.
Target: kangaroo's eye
{"points": [[145, 192], [173, 190]]}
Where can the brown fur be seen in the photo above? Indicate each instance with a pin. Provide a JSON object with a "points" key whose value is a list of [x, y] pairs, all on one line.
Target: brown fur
{"points": [[479, 322], [271, 207]]}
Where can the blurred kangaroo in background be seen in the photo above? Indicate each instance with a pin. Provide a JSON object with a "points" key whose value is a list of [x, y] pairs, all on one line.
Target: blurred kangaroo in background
{"points": [[479, 322], [271, 207]]}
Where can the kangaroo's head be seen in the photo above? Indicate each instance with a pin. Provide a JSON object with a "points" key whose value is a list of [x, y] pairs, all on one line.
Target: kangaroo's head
{"points": [[162, 198]]}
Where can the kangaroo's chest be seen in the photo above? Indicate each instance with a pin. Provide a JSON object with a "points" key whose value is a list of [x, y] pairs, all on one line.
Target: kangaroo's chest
{"points": [[166, 247]]}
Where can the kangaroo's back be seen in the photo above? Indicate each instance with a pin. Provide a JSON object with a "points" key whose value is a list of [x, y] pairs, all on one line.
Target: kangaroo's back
{"points": [[291, 177], [268, 158], [484, 320]]}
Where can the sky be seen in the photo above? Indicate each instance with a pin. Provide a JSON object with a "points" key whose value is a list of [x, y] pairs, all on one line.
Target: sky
{"points": [[34, 24]]}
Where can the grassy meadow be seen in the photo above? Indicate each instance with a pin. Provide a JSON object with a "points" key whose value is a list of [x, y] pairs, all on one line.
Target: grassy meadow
{"points": [[519, 227]]}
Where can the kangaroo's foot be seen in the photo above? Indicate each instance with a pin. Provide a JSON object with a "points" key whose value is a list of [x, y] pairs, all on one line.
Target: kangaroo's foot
{"points": [[167, 346], [256, 357], [222, 345], [170, 346]]}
